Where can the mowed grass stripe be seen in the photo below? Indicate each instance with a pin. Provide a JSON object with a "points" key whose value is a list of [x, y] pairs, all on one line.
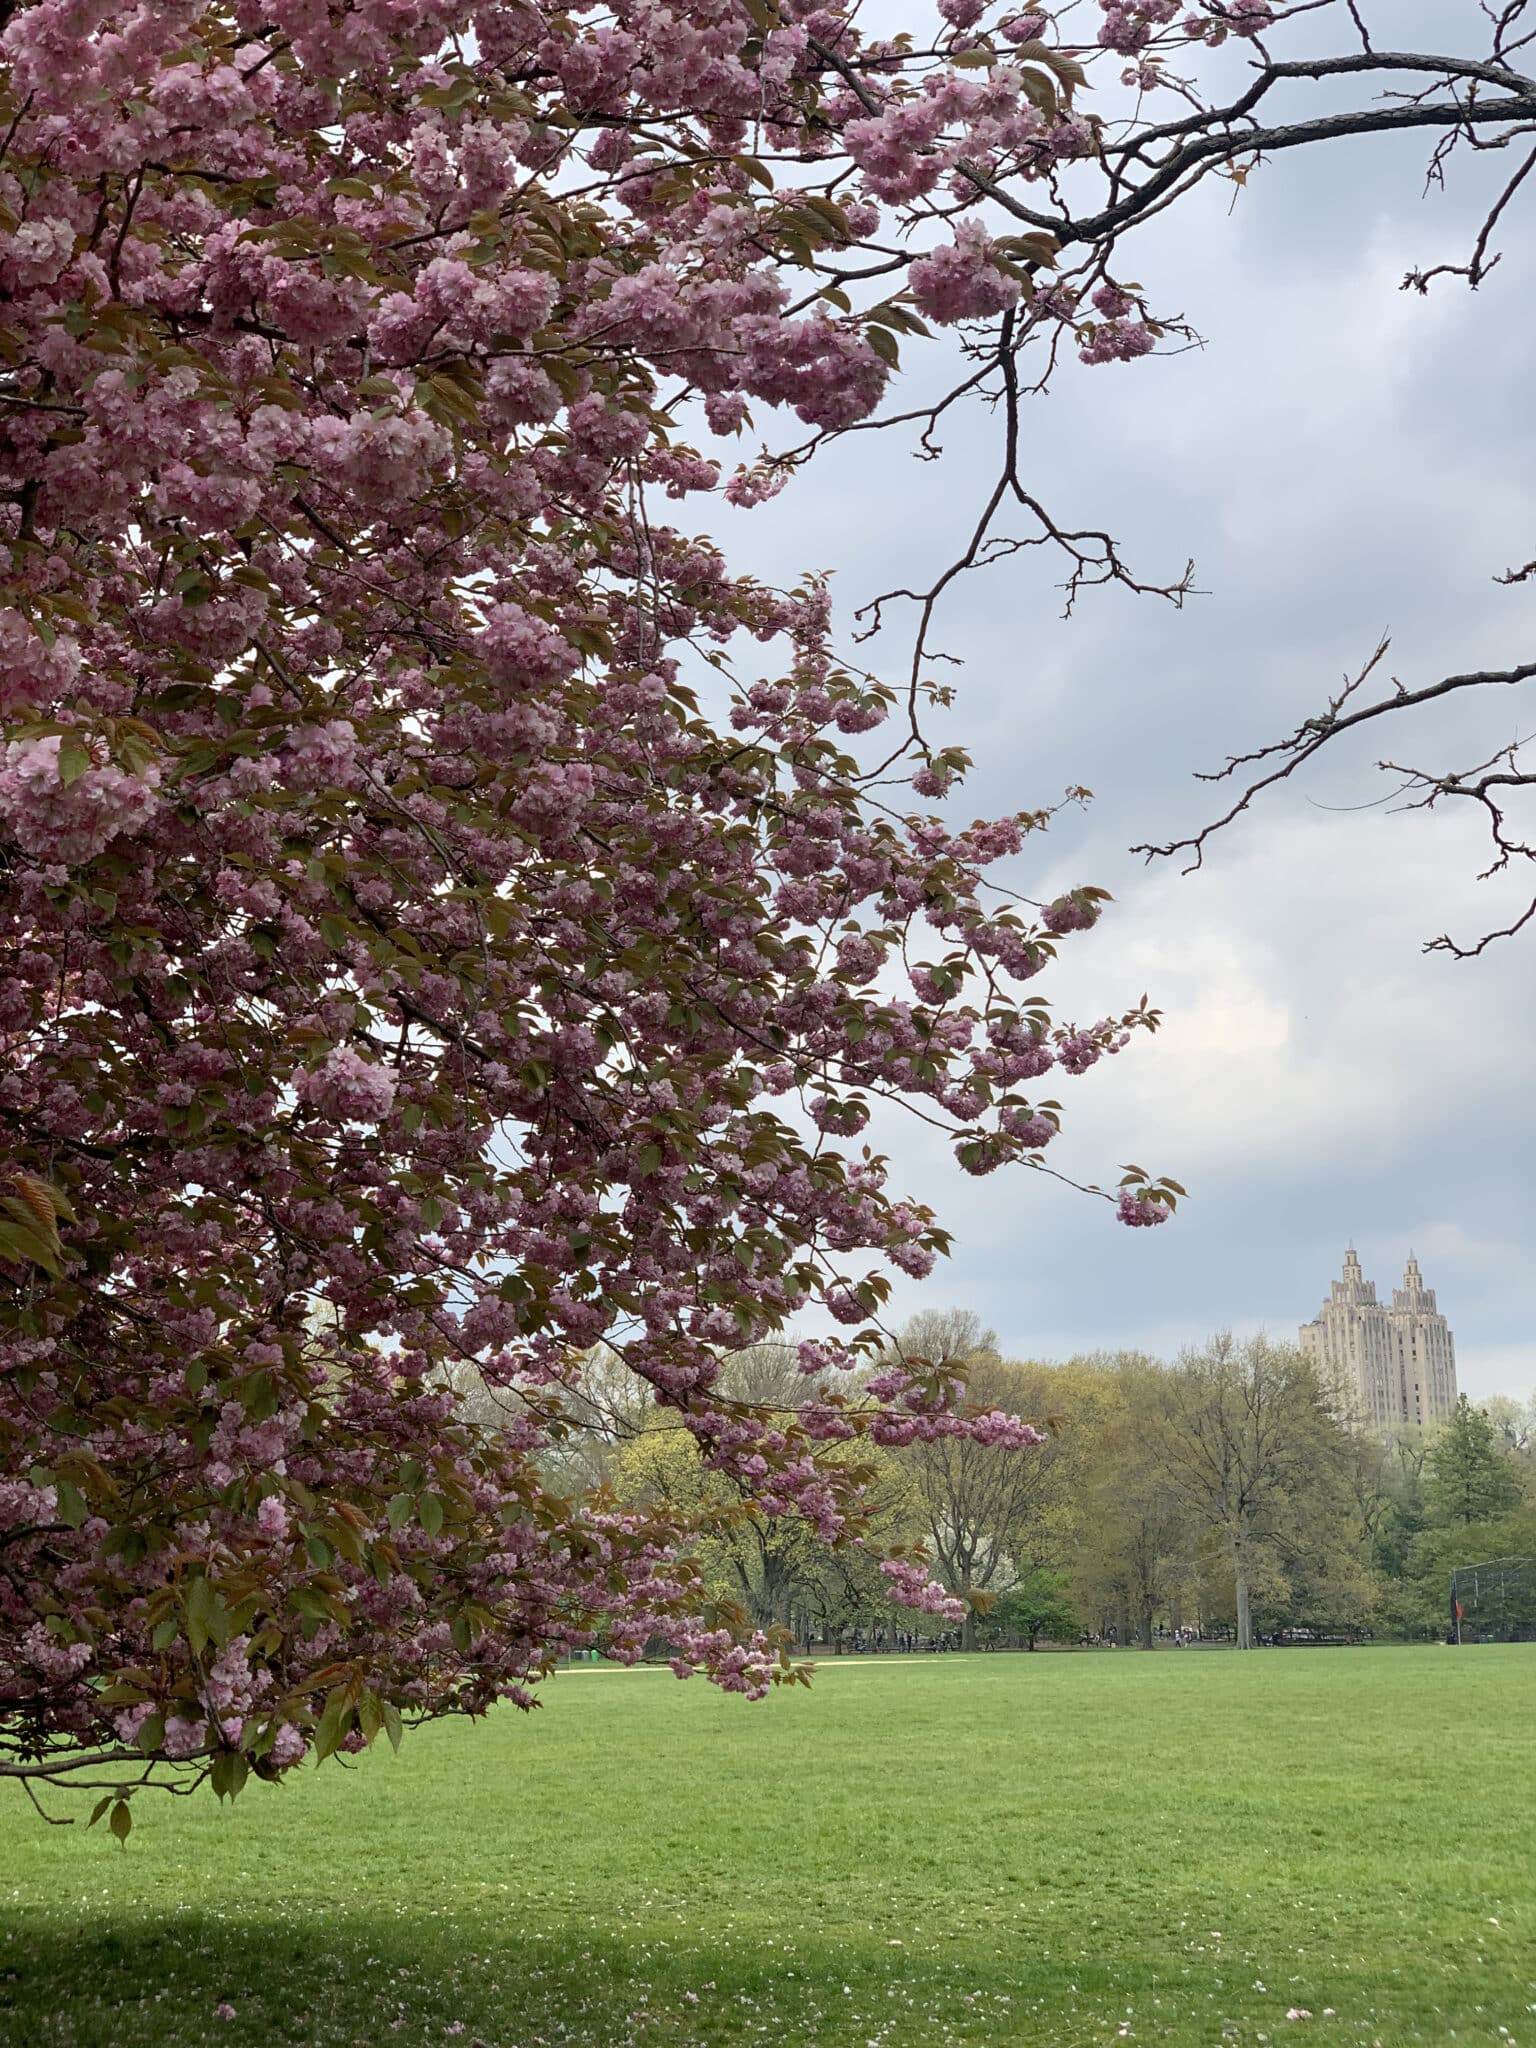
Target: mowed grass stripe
{"points": [[1063, 1849]]}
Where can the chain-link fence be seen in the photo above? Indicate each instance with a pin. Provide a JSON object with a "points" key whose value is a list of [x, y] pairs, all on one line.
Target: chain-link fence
{"points": [[1494, 1602]]}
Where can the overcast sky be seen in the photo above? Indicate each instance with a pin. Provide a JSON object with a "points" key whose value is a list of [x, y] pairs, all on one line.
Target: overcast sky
{"points": [[1341, 458]]}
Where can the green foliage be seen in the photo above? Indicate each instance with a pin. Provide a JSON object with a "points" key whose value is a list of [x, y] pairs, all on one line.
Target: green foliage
{"points": [[1135, 1539], [1153, 1479], [1038, 1609], [1468, 1477], [986, 1851], [1436, 1552]]}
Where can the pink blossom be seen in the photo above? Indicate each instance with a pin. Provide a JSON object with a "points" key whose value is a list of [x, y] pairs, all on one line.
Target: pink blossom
{"points": [[1248, 17], [70, 822], [289, 1746], [33, 670], [184, 1737], [348, 1085], [1033, 1128], [1112, 302], [1071, 914], [1117, 341], [321, 756], [383, 458], [961, 281], [272, 1516], [910, 1587], [127, 1724]]}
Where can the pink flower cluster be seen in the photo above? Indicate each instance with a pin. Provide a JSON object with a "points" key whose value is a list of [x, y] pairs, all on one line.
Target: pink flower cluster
{"points": [[911, 1587], [347, 1085], [69, 823], [1129, 25], [1247, 18], [1117, 341], [960, 281]]}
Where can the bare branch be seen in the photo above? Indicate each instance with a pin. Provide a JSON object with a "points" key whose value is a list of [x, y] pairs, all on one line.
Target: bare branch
{"points": [[1479, 266], [1314, 734]]}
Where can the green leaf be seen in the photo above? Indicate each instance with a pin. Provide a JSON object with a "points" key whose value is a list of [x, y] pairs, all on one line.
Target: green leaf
{"points": [[166, 1632], [394, 1728], [331, 1729], [230, 1770], [99, 1809], [22, 1241], [202, 1602], [1043, 249], [121, 1822], [259, 1397], [131, 1545], [72, 1508], [429, 1509], [398, 1512], [1039, 91], [151, 1734], [74, 758]]}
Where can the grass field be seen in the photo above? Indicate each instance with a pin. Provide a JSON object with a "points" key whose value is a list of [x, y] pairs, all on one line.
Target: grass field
{"points": [[1054, 1849]]}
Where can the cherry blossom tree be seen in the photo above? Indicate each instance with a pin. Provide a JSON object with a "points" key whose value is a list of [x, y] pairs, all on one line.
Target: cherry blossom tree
{"points": [[449, 920]]}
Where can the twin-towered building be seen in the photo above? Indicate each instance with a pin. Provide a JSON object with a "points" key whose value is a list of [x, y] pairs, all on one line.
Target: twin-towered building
{"points": [[1385, 1365]]}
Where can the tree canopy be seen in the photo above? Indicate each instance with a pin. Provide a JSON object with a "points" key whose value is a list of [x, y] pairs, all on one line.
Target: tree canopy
{"points": [[449, 920], [1466, 1479]]}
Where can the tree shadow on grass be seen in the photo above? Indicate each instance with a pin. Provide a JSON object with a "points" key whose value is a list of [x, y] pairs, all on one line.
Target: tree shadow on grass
{"points": [[341, 1978], [504, 1973]]}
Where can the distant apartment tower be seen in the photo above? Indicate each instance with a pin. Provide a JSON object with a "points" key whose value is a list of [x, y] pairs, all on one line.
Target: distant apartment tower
{"points": [[1384, 1366]]}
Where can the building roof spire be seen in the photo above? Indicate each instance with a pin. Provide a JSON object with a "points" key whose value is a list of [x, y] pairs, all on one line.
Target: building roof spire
{"points": [[1383, 1364]]}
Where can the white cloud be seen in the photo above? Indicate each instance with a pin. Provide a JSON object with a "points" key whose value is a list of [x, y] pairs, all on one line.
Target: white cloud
{"points": [[1485, 1369], [1341, 457]]}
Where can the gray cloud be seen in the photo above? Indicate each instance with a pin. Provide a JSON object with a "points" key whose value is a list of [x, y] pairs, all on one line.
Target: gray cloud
{"points": [[1341, 458]]}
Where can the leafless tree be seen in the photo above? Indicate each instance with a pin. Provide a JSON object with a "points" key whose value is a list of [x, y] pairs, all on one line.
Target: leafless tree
{"points": [[1136, 1529], [1245, 1437], [984, 1511]]}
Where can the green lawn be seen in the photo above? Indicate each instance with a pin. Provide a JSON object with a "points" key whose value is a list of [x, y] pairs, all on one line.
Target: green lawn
{"points": [[1055, 1849]]}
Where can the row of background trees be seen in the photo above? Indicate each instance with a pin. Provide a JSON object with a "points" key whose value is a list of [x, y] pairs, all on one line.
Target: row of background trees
{"points": [[1219, 1492]]}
